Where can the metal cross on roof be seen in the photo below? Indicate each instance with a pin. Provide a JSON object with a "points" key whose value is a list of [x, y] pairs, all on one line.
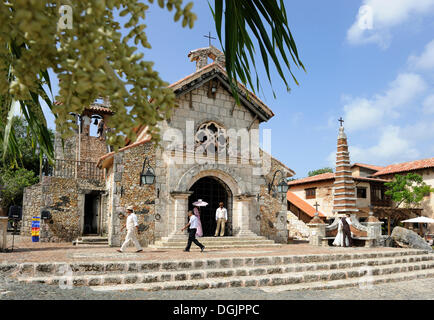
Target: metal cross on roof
{"points": [[341, 120], [316, 205], [209, 38]]}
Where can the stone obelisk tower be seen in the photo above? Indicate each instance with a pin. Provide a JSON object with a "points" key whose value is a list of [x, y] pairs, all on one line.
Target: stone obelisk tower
{"points": [[344, 188]]}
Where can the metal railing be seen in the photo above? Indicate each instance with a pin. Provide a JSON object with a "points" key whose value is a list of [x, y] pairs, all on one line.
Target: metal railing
{"points": [[85, 170]]}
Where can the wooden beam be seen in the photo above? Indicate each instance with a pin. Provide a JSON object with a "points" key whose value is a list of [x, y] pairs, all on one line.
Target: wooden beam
{"points": [[251, 123]]}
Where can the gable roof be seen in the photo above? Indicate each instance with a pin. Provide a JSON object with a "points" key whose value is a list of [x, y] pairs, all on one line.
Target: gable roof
{"points": [[406, 166], [212, 71], [301, 204], [367, 166]]}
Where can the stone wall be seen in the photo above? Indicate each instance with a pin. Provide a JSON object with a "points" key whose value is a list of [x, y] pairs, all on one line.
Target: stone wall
{"points": [[126, 190], [91, 148], [64, 199], [200, 108], [273, 218], [324, 195]]}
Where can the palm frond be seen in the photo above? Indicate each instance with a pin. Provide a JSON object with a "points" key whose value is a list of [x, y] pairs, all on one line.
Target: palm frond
{"points": [[268, 22]]}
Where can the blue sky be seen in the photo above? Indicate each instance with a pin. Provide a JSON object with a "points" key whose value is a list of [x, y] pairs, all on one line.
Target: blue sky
{"points": [[380, 80]]}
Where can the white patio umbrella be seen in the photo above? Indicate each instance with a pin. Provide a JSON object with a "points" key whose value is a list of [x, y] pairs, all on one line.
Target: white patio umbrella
{"points": [[200, 203], [419, 220]]}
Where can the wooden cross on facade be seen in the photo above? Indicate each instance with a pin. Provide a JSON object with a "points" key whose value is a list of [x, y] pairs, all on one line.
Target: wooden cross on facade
{"points": [[209, 38], [341, 121], [316, 205]]}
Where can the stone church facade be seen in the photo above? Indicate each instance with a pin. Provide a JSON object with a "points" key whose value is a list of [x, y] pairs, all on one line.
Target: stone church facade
{"points": [[209, 150]]}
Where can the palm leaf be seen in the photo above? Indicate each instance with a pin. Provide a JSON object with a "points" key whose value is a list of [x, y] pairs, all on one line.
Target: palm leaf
{"points": [[268, 23]]}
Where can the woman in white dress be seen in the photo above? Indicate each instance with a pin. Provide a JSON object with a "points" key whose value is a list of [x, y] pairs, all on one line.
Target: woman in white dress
{"points": [[339, 239]]}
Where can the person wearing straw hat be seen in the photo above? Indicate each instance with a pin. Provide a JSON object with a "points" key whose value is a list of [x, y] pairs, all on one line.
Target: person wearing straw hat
{"points": [[196, 211], [132, 226]]}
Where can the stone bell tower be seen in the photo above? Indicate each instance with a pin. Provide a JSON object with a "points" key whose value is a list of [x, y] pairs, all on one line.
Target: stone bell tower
{"points": [[344, 188], [201, 56]]}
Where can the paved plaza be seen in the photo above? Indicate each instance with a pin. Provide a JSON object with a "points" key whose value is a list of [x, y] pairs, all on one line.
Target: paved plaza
{"points": [[26, 251]]}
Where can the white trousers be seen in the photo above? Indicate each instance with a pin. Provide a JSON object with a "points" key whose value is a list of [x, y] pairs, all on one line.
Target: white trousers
{"points": [[131, 236]]}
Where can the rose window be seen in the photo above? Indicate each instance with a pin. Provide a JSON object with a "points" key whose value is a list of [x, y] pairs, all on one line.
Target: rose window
{"points": [[211, 136]]}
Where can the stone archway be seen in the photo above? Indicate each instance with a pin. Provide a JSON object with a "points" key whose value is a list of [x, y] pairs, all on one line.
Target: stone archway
{"points": [[213, 191], [241, 200]]}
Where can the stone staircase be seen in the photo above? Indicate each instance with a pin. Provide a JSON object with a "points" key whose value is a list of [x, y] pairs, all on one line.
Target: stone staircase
{"points": [[180, 241], [91, 240], [269, 273], [297, 228]]}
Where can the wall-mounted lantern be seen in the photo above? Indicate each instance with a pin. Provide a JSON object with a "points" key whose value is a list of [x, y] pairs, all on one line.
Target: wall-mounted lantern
{"points": [[147, 177], [282, 186]]}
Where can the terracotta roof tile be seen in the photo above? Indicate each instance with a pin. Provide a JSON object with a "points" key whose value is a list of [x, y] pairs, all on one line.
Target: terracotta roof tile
{"points": [[318, 177], [369, 166], [329, 176], [301, 204], [406, 166]]}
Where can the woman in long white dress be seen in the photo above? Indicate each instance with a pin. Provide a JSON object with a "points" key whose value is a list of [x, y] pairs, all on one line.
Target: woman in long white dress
{"points": [[339, 239]]}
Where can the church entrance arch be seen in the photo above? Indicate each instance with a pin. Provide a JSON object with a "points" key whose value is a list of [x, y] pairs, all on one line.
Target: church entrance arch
{"points": [[212, 190]]}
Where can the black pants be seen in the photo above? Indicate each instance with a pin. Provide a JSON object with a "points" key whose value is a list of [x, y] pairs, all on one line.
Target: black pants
{"points": [[192, 238], [347, 235]]}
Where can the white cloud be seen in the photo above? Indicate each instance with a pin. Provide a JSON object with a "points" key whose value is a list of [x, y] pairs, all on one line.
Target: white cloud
{"points": [[362, 113], [425, 61], [386, 14], [428, 105], [392, 146]]}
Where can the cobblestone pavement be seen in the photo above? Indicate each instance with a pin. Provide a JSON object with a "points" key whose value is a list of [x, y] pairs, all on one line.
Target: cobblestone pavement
{"points": [[408, 290]]}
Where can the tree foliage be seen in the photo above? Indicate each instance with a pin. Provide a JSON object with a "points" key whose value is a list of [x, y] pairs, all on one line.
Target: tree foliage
{"points": [[407, 189], [13, 182], [94, 59], [319, 171]]}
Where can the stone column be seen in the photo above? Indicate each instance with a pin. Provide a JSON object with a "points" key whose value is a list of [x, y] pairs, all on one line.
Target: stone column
{"points": [[243, 203], [317, 231], [180, 208], [3, 232], [374, 230]]}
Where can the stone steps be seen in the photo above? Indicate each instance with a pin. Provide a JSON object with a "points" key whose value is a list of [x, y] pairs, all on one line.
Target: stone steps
{"points": [[179, 242], [282, 272], [91, 240], [98, 267], [346, 283], [240, 272], [316, 279]]}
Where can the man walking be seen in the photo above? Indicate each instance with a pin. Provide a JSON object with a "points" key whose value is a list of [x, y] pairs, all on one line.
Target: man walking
{"points": [[221, 217], [132, 226], [192, 228]]}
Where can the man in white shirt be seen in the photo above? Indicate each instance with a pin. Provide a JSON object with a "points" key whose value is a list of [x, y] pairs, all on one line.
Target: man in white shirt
{"points": [[132, 226], [221, 217], [192, 227]]}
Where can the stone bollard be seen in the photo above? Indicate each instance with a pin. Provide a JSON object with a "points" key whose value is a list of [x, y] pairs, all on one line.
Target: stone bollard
{"points": [[374, 230], [317, 231], [3, 232]]}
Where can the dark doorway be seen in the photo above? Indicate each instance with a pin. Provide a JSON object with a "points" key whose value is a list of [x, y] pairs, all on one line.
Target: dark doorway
{"points": [[213, 191], [91, 214]]}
